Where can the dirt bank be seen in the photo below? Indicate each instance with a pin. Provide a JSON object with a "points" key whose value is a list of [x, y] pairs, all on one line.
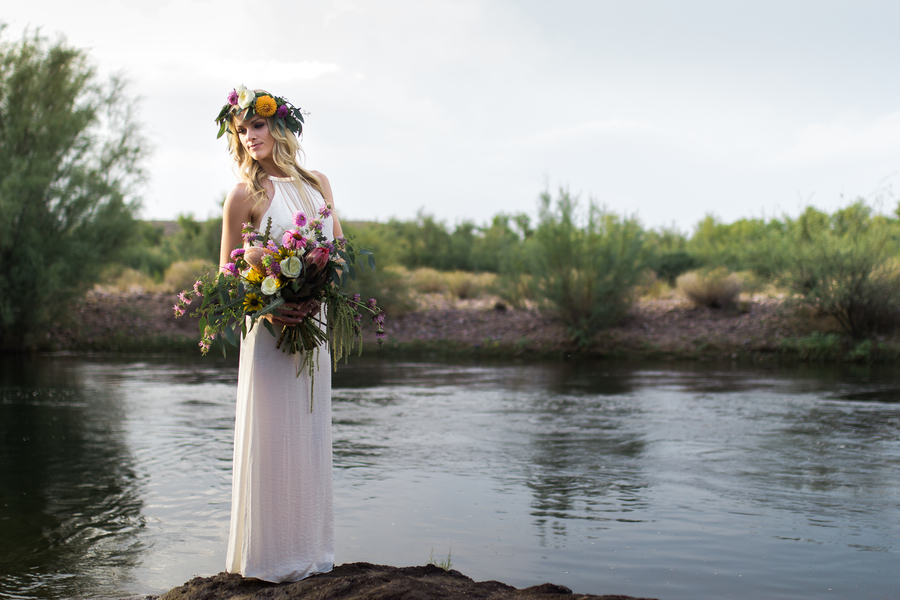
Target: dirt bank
{"points": [[757, 328], [364, 581]]}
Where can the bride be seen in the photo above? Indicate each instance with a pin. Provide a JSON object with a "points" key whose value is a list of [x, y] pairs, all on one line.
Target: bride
{"points": [[282, 524]]}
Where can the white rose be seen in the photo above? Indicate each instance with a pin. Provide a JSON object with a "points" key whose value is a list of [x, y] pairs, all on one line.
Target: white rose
{"points": [[291, 266], [269, 286], [245, 97]]}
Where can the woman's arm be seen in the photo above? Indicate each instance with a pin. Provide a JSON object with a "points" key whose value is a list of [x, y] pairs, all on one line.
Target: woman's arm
{"points": [[236, 211], [328, 195]]}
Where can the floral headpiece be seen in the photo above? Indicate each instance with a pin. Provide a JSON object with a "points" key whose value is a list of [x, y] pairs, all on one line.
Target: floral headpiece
{"points": [[265, 105]]}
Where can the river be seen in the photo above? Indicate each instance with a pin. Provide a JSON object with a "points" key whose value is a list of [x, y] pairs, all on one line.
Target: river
{"points": [[660, 480]]}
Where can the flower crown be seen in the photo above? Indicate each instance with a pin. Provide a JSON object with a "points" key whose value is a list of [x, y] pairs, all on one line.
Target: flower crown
{"points": [[263, 104]]}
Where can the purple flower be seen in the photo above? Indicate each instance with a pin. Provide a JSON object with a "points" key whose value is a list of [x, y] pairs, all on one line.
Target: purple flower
{"points": [[328, 245], [325, 211], [273, 269], [355, 297], [179, 310], [282, 111], [371, 303], [341, 242], [233, 97], [249, 236], [183, 298], [379, 335], [316, 224], [293, 239], [271, 246], [357, 317], [197, 288], [299, 219], [379, 318], [204, 346], [237, 252], [230, 269]]}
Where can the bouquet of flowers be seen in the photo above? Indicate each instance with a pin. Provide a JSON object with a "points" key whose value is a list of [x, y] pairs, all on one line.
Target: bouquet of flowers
{"points": [[305, 268]]}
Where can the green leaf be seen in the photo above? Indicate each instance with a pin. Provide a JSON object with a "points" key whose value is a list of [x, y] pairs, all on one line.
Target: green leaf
{"points": [[202, 325], [269, 327], [371, 261], [228, 332]]}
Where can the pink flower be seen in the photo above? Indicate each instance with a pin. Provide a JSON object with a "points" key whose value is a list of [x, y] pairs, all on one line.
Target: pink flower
{"points": [[233, 97], [371, 303], [230, 269], [179, 310], [237, 252], [325, 211], [316, 224], [204, 346], [249, 236], [299, 219], [183, 297], [271, 246], [293, 239], [317, 257], [197, 288], [282, 111]]}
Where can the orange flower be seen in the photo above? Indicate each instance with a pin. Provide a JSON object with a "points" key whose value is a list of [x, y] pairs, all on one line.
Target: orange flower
{"points": [[266, 106]]}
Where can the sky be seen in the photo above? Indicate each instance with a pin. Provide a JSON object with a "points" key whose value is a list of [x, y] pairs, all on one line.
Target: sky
{"points": [[463, 109]]}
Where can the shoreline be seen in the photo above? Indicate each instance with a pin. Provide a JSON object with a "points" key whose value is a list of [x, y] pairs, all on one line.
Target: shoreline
{"points": [[365, 581], [757, 329]]}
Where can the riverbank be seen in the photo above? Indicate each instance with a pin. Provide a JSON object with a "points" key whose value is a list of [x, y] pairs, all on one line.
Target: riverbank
{"points": [[757, 328], [364, 581]]}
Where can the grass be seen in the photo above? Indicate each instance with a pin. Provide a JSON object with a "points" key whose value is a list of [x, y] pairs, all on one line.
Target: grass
{"points": [[444, 564]]}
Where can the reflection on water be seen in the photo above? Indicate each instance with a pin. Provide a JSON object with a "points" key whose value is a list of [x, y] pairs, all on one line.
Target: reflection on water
{"points": [[667, 481]]}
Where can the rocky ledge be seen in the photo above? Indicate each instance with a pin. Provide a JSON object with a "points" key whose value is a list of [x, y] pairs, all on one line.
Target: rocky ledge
{"points": [[364, 581]]}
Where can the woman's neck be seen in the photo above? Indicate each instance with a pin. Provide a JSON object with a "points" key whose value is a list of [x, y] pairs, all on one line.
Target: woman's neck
{"points": [[268, 165]]}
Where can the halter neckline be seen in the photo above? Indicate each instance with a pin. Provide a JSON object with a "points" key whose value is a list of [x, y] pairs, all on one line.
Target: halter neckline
{"points": [[282, 179]]}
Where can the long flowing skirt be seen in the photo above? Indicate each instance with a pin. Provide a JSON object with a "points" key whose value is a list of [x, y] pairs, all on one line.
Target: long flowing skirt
{"points": [[282, 520]]}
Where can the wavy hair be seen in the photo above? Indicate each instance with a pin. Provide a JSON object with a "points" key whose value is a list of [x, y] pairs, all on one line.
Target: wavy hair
{"points": [[288, 156]]}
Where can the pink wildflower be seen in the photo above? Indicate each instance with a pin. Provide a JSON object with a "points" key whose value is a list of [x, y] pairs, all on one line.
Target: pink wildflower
{"points": [[282, 111], [204, 346], [183, 297], [293, 239], [316, 224], [249, 236], [197, 289], [271, 246], [233, 97], [179, 310], [237, 252], [230, 269], [299, 219], [325, 211]]}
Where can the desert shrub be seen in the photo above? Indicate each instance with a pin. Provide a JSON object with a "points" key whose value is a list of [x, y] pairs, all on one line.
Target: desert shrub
{"points": [[844, 265], [465, 285], [182, 274], [669, 265], [716, 288], [118, 278], [514, 288], [584, 267], [426, 280]]}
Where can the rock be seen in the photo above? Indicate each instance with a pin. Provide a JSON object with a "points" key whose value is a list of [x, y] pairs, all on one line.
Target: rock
{"points": [[364, 581]]}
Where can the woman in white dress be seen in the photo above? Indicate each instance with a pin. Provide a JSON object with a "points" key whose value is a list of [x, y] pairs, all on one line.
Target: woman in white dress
{"points": [[282, 526]]}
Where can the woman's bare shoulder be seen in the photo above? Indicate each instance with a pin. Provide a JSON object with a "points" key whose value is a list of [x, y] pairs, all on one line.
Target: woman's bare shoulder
{"points": [[326, 185], [237, 202]]}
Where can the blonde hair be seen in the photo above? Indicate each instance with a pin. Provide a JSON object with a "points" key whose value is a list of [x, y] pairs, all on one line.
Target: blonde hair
{"points": [[288, 156]]}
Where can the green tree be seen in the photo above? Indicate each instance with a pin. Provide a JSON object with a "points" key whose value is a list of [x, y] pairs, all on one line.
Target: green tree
{"points": [[585, 267], [70, 156]]}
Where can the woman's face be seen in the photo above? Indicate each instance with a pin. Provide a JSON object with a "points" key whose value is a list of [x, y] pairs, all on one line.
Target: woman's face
{"points": [[255, 136]]}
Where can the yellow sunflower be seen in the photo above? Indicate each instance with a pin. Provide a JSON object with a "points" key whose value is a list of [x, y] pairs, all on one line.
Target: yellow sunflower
{"points": [[252, 303], [266, 106], [253, 276]]}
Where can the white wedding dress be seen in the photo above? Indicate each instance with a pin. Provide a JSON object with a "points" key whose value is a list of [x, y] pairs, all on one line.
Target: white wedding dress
{"points": [[282, 523]]}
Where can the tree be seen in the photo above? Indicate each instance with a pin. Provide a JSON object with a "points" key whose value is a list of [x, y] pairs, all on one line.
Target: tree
{"points": [[70, 159]]}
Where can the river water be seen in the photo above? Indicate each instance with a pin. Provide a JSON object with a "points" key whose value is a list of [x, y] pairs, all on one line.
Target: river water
{"points": [[660, 480]]}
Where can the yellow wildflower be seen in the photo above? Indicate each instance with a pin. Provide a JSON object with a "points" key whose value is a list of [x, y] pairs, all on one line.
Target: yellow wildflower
{"points": [[252, 303], [266, 106], [253, 276]]}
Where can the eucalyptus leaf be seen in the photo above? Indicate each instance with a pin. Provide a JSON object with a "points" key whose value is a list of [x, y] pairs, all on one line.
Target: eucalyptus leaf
{"points": [[269, 327], [228, 332]]}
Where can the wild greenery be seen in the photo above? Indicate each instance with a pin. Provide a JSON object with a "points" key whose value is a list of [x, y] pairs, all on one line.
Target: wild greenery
{"points": [[70, 159]]}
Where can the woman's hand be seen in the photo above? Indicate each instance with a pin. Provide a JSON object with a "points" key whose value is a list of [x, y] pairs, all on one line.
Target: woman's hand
{"points": [[292, 313]]}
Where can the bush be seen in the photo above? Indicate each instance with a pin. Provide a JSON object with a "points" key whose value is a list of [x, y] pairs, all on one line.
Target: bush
{"points": [[669, 265], [844, 266], [388, 285], [182, 274], [465, 285], [584, 268], [716, 289]]}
